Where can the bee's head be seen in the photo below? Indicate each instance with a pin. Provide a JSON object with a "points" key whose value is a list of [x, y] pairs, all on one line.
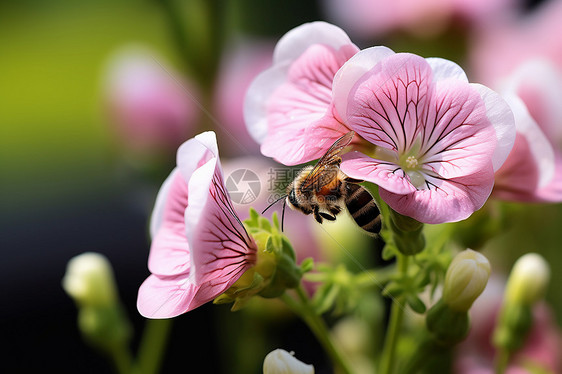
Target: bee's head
{"points": [[292, 200]]}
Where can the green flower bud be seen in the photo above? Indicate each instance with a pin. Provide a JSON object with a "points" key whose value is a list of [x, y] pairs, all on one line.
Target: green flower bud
{"points": [[404, 223], [407, 234], [465, 280], [528, 280], [280, 361], [89, 280], [448, 326], [526, 285]]}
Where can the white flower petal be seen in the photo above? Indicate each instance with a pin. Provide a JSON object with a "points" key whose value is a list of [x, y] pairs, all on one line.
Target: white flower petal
{"points": [[158, 211], [296, 41], [280, 361], [501, 117], [445, 69], [255, 103]]}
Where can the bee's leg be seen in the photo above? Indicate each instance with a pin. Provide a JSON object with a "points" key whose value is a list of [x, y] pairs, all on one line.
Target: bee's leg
{"points": [[317, 215], [335, 210], [353, 180], [328, 217]]}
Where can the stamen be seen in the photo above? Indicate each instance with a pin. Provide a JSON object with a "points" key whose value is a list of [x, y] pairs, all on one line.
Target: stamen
{"points": [[411, 162]]}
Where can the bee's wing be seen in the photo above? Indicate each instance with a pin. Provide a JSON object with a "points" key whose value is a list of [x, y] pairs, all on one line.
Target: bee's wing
{"points": [[317, 176]]}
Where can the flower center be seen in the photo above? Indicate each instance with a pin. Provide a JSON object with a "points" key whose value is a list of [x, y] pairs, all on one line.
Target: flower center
{"points": [[411, 162], [411, 165]]}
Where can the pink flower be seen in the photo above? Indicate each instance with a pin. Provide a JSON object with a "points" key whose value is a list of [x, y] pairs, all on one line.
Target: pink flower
{"points": [[150, 104], [533, 170], [439, 138], [476, 354], [200, 247], [368, 18], [288, 108], [499, 48]]}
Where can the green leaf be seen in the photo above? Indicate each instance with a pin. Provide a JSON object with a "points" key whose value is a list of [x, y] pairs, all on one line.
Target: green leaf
{"points": [[325, 299], [416, 304], [393, 289], [307, 264], [270, 245], [389, 252], [265, 224], [286, 247], [275, 220], [253, 220]]}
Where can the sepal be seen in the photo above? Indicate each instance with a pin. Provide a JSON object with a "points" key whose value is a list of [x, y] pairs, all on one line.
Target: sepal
{"points": [[447, 326], [275, 270]]}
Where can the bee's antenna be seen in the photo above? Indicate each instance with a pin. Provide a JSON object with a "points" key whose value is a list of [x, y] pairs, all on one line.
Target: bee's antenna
{"points": [[283, 214], [270, 205]]}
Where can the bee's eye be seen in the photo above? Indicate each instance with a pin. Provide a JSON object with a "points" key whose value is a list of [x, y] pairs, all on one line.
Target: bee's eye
{"points": [[293, 198]]}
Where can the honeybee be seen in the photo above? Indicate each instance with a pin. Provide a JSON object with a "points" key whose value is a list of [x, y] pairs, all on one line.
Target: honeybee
{"points": [[323, 189]]}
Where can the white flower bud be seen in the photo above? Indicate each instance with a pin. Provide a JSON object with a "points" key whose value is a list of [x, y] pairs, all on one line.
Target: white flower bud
{"points": [[465, 280], [280, 361], [528, 280], [89, 280]]}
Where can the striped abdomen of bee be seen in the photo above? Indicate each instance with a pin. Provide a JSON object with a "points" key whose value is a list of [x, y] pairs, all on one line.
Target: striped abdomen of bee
{"points": [[363, 209]]}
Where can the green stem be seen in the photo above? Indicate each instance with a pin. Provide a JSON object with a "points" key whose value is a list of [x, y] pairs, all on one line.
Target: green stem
{"points": [[122, 359], [153, 345], [417, 361], [317, 325], [396, 316], [502, 360]]}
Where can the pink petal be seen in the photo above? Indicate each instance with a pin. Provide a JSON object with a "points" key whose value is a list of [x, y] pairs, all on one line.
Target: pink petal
{"points": [[222, 250], [530, 165], [351, 72], [304, 99], [321, 134], [458, 138], [165, 297], [539, 84], [297, 90], [552, 192], [517, 179], [293, 146], [500, 116], [169, 252], [447, 200], [389, 103], [383, 173]]}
